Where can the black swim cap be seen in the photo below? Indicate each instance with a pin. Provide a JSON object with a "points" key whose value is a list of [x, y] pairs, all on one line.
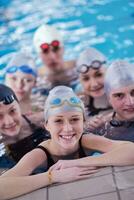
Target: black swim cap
{"points": [[7, 95]]}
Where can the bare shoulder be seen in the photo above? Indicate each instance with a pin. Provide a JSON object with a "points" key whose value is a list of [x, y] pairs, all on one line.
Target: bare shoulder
{"points": [[90, 138], [28, 163], [69, 64], [41, 71]]}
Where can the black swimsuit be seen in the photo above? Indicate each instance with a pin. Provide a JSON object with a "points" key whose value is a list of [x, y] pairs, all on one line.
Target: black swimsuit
{"points": [[50, 160], [95, 111], [19, 149]]}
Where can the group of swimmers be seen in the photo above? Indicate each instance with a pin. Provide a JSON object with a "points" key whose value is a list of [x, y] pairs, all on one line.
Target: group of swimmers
{"points": [[88, 109]]}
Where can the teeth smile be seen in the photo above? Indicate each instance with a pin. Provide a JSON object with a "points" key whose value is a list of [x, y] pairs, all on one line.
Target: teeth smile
{"points": [[67, 136]]}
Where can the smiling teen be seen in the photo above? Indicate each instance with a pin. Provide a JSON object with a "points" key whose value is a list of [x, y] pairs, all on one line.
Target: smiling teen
{"points": [[18, 133], [91, 66], [64, 119]]}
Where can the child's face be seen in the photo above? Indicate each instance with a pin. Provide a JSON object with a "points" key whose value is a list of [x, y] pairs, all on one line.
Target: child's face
{"points": [[21, 83], [10, 119], [66, 128], [122, 101], [93, 82], [53, 60]]}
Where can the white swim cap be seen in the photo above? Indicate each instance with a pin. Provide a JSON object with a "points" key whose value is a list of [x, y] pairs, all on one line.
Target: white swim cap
{"points": [[119, 74], [88, 56], [46, 34], [62, 99]]}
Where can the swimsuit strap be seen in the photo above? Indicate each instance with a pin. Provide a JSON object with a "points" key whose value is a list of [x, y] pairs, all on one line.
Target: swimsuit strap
{"points": [[49, 158]]}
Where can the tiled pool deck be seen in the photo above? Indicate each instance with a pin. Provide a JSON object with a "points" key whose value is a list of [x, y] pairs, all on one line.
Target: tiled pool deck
{"points": [[111, 183]]}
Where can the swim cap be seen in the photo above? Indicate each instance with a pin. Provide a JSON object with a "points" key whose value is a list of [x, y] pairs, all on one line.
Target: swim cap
{"points": [[119, 74], [62, 99], [88, 56], [46, 34], [7, 95], [22, 61]]}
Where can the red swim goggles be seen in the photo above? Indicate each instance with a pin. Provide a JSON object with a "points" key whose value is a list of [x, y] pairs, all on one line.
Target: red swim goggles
{"points": [[55, 46]]}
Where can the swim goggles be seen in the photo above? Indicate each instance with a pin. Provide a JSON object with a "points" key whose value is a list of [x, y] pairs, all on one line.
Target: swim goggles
{"points": [[8, 99], [55, 46], [73, 101], [23, 68], [96, 64]]}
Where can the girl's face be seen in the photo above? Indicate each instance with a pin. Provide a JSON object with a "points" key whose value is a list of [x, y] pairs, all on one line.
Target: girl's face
{"points": [[122, 101], [10, 119], [21, 83], [66, 129], [93, 82]]}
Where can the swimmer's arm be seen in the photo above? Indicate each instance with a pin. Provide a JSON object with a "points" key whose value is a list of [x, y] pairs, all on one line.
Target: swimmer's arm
{"points": [[17, 181], [27, 164], [11, 187], [116, 153]]}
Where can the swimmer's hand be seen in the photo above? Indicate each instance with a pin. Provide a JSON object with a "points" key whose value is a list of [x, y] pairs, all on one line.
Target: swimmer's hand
{"points": [[62, 164], [71, 174], [95, 122], [98, 121]]}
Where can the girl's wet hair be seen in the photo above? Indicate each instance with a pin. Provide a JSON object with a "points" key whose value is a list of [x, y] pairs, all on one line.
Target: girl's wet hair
{"points": [[7, 95]]}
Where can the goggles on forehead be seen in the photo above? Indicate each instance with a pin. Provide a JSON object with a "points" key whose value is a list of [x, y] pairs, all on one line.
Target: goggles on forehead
{"points": [[55, 46], [23, 68], [73, 101], [96, 64]]}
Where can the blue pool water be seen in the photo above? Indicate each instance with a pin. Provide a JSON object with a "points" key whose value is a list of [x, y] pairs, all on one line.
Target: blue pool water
{"points": [[105, 24]]}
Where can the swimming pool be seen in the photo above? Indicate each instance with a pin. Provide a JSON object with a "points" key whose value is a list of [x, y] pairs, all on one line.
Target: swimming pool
{"points": [[105, 24]]}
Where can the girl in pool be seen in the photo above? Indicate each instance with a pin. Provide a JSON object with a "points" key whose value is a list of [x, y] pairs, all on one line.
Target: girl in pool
{"points": [[91, 67], [21, 77], [18, 134], [64, 119]]}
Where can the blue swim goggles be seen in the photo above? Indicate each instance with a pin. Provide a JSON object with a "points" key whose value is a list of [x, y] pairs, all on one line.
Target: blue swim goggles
{"points": [[23, 68], [73, 101]]}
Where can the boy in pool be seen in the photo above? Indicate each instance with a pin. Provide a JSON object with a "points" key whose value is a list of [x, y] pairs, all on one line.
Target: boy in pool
{"points": [[119, 87], [48, 43]]}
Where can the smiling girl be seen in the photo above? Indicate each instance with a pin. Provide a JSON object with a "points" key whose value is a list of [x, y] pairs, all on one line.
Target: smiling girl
{"points": [[91, 66], [64, 118]]}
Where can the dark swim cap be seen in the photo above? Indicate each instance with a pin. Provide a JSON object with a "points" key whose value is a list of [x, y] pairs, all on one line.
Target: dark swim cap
{"points": [[7, 95]]}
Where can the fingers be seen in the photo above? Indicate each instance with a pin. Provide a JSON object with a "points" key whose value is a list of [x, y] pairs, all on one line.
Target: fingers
{"points": [[95, 122], [59, 165], [85, 176], [55, 167], [88, 172]]}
